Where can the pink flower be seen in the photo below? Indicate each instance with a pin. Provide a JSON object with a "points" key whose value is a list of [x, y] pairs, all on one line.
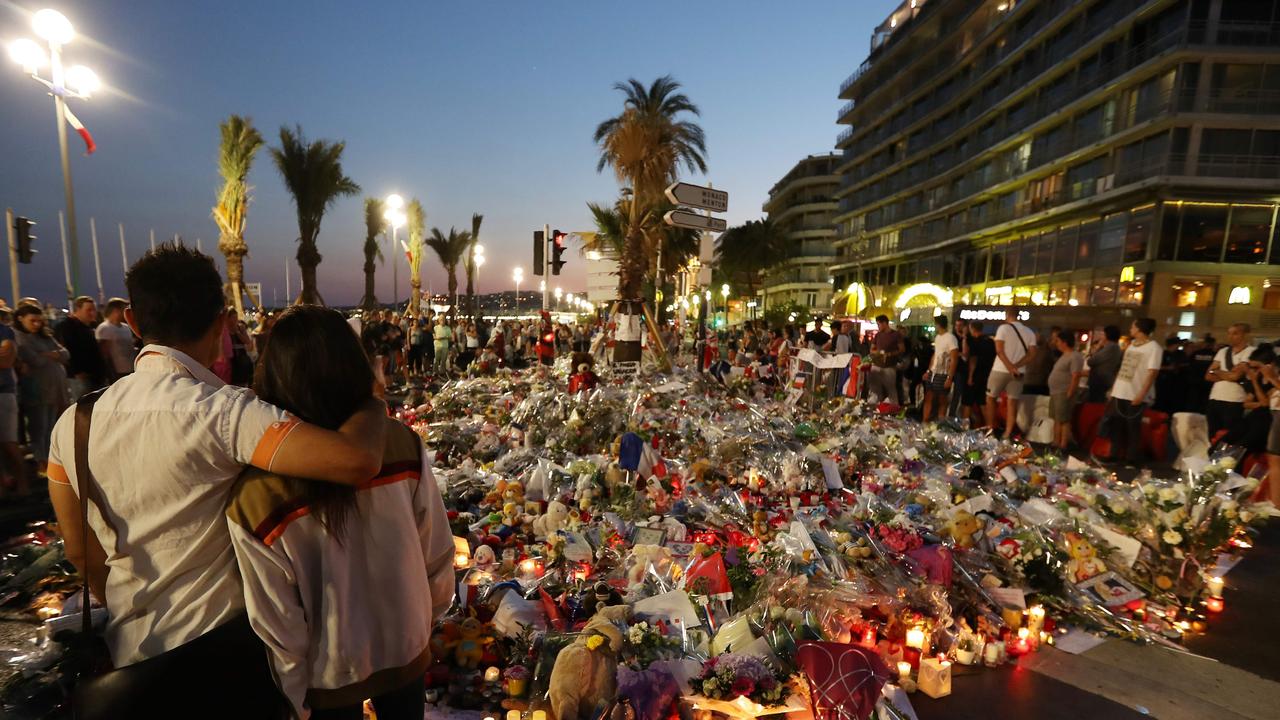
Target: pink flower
{"points": [[743, 686]]}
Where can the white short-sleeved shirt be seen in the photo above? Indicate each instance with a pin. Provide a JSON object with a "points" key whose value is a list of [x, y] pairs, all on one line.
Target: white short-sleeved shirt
{"points": [[1008, 334], [943, 345], [1138, 361], [1229, 390], [119, 340], [166, 445]]}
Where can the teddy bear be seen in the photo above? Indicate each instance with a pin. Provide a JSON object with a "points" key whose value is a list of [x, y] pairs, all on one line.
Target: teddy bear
{"points": [[445, 639], [472, 640], [551, 521], [494, 497], [484, 558], [514, 493], [584, 676], [1084, 562], [961, 528], [642, 556]]}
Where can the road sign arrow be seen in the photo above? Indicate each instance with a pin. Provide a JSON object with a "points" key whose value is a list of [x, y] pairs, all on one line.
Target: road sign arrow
{"points": [[694, 221], [682, 193]]}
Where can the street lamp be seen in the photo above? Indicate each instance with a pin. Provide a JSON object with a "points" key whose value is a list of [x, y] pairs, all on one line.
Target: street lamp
{"points": [[395, 217], [558, 293], [518, 276], [78, 82], [477, 260]]}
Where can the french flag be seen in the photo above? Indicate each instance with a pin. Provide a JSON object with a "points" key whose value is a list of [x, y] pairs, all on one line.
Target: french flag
{"points": [[74, 122], [408, 255]]}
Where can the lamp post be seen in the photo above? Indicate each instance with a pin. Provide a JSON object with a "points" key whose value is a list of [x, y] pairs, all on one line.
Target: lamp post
{"points": [[77, 81], [558, 293], [477, 260], [518, 276], [724, 293], [395, 217]]}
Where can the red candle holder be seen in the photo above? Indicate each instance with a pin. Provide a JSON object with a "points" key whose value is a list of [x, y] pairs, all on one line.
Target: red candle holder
{"points": [[1214, 604]]}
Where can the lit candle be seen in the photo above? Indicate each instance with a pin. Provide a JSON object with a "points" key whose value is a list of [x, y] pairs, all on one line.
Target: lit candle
{"points": [[915, 638], [513, 715], [1214, 604], [991, 654], [1035, 619], [904, 670], [492, 674], [869, 637], [1215, 585], [461, 560], [539, 715]]}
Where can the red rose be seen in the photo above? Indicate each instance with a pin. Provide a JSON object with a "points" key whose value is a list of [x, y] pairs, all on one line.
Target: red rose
{"points": [[743, 686]]}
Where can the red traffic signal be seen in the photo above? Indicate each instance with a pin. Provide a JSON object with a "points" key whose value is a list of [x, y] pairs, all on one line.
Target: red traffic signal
{"points": [[557, 250]]}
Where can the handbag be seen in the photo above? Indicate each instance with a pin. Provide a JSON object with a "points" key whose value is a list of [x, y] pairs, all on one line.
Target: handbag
{"points": [[224, 673]]}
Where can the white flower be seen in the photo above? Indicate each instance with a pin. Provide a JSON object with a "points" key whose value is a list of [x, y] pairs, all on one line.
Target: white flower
{"points": [[1227, 463], [1117, 508], [1167, 495], [1173, 537]]}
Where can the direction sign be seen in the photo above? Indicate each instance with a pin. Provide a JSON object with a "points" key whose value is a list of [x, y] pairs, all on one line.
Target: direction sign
{"points": [[694, 221], [697, 196]]}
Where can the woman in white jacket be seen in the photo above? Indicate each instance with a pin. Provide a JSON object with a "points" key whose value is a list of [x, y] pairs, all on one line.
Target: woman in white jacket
{"points": [[342, 584]]}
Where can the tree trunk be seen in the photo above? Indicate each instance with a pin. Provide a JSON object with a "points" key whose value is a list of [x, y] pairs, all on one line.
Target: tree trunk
{"points": [[453, 294], [415, 296], [370, 299], [630, 306], [471, 291], [235, 278], [308, 259]]}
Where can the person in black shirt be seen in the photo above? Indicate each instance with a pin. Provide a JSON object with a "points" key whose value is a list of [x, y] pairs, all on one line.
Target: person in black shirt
{"points": [[981, 358], [1170, 397], [87, 370], [1194, 387], [817, 337]]}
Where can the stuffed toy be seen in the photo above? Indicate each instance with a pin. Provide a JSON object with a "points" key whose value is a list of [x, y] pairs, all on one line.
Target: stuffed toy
{"points": [[551, 521], [484, 558], [642, 556], [585, 674], [962, 527], [471, 644], [1084, 562]]}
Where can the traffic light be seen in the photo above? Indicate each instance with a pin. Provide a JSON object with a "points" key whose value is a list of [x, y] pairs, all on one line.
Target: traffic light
{"points": [[557, 250], [22, 229], [539, 251]]}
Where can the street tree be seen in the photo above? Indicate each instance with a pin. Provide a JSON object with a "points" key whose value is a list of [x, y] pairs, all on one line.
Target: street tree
{"points": [[240, 144]]}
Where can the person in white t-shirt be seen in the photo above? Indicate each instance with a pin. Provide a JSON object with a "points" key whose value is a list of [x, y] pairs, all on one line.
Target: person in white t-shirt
{"points": [[1015, 349], [1226, 397], [942, 370], [1134, 391], [116, 340]]}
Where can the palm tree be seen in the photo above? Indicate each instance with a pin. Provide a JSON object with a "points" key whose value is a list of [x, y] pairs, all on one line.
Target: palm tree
{"points": [[450, 249], [745, 252], [374, 225], [645, 145], [313, 174], [240, 144], [470, 262], [677, 245], [417, 230]]}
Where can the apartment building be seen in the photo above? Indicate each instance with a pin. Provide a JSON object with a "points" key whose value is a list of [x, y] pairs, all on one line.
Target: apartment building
{"points": [[802, 205], [1090, 160]]}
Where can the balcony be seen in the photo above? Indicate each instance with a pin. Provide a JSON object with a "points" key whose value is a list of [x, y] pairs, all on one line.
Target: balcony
{"points": [[1258, 167], [1248, 102]]}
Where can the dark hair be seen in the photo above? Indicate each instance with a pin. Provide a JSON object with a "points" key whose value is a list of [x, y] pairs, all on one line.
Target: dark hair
{"points": [[313, 366], [1146, 325], [1263, 353], [1067, 337], [1111, 332], [940, 321], [882, 319], [975, 325], [23, 311], [176, 294]]}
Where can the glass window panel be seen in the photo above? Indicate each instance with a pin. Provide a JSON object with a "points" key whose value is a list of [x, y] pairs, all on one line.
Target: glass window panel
{"points": [[1111, 243], [997, 262], [1086, 245], [1044, 256], [1104, 290], [1138, 234], [1203, 229], [1271, 297], [1130, 293], [1080, 294], [1064, 253], [1059, 294], [1250, 231], [1193, 293], [1027, 255], [1170, 216], [1011, 269]]}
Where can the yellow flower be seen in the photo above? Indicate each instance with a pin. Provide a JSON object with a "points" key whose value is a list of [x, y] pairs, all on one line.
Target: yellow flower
{"points": [[594, 642]]}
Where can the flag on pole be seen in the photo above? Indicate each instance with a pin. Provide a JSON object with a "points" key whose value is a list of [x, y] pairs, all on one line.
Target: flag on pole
{"points": [[407, 255], [74, 122]]}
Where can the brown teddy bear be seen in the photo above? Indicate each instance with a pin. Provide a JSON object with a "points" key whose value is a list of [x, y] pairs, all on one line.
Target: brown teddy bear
{"points": [[585, 673]]}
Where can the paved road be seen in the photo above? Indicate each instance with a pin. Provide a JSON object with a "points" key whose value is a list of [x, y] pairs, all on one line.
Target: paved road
{"points": [[1231, 672]]}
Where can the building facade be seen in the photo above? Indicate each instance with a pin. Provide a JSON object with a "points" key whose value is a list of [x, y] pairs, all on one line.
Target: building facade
{"points": [[1091, 160], [802, 205]]}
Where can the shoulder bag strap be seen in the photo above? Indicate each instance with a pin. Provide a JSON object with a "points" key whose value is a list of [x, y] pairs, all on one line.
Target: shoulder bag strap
{"points": [[84, 418], [1018, 334]]}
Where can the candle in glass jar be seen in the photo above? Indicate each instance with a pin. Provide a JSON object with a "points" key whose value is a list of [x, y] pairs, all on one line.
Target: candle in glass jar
{"points": [[513, 715], [539, 715], [915, 639], [1035, 619], [492, 674], [1215, 585], [904, 670], [869, 637], [1214, 604]]}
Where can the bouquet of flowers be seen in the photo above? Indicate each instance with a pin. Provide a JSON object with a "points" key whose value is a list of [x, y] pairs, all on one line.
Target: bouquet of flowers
{"points": [[646, 644], [733, 675]]}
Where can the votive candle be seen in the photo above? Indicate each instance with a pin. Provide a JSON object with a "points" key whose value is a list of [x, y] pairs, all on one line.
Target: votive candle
{"points": [[1215, 585], [904, 670]]}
